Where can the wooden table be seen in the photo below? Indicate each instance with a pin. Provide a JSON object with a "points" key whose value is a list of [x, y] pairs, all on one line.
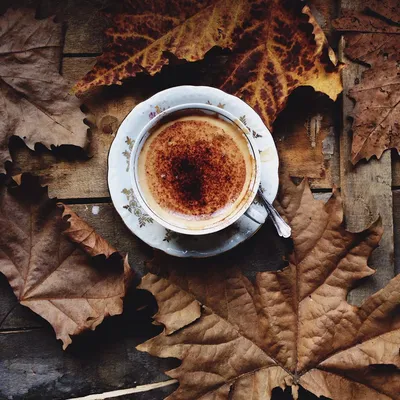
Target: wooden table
{"points": [[313, 139]]}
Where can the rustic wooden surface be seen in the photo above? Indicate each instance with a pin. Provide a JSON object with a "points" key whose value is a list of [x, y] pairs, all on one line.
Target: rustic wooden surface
{"points": [[367, 193], [312, 141]]}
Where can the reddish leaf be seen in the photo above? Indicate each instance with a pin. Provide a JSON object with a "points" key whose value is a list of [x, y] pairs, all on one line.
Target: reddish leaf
{"points": [[278, 46]]}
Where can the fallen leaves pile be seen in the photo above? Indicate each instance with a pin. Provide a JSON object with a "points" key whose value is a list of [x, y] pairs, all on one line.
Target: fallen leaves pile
{"points": [[372, 38], [237, 339]]}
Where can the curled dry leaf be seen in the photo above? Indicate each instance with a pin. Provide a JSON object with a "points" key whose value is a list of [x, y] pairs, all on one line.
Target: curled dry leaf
{"points": [[84, 235], [277, 47], [48, 273], [35, 102], [374, 41], [239, 339]]}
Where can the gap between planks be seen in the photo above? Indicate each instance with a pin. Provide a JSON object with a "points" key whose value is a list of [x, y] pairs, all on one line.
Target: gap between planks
{"points": [[84, 200], [86, 55]]}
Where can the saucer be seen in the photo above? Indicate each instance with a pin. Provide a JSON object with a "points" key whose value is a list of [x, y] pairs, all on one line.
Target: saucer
{"points": [[150, 231]]}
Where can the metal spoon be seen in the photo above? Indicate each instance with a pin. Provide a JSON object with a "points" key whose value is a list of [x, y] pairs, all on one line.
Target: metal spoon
{"points": [[281, 226]]}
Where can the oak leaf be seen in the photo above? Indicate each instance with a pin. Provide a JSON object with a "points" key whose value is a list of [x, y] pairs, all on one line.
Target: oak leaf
{"points": [[239, 339], [277, 47], [54, 277], [374, 41], [35, 102]]}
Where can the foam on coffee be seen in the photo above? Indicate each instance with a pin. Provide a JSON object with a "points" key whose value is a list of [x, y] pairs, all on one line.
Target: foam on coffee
{"points": [[195, 170]]}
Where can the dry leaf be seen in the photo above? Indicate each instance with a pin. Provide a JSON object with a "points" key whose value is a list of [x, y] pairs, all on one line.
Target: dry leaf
{"points": [[83, 234], [376, 114], [48, 273], [138, 40], [35, 103], [282, 49], [239, 339], [277, 47], [388, 9]]}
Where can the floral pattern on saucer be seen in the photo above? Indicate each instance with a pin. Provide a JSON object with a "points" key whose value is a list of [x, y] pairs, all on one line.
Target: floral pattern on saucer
{"points": [[141, 224]]}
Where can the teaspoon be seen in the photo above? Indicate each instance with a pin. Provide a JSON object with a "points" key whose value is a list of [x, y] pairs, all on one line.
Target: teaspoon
{"points": [[281, 226]]}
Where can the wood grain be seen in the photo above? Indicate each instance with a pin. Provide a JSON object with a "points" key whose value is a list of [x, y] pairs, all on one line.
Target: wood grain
{"points": [[307, 139], [395, 169], [366, 187], [396, 217], [34, 366], [74, 68], [83, 20]]}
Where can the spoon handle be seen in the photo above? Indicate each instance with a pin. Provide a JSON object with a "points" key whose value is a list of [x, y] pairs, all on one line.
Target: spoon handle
{"points": [[281, 226]]}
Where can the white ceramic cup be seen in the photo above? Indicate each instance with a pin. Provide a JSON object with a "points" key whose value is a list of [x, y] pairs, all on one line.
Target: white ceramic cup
{"points": [[246, 204]]}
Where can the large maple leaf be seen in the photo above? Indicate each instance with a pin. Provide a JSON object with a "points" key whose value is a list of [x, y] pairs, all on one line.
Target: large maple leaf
{"points": [[374, 40], [239, 339], [277, 47], [35, 102], [48, 273]]}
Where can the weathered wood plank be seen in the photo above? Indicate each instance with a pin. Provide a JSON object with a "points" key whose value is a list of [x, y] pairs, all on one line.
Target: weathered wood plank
{"points": [[395, 169], [33, 364], [84, 23], [74, 68], [366, 187], [396, 221], [306, 136]]}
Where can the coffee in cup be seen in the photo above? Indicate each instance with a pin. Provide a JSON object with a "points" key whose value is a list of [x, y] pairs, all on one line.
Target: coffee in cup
{"points": [[196, 169]]}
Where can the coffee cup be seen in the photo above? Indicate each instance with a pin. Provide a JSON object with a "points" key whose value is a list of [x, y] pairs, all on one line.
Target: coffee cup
{"points": [[195, 169]]}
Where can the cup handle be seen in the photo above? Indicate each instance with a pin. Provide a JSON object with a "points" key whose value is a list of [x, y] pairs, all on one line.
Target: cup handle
{"points": [[255, 215]]}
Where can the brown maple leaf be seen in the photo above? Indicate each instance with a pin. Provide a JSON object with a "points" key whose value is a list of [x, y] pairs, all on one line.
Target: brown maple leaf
{"points": [[376, 114], [282, 49], [35, 103], [48, 273], [239, 339], [277, 47], [138, 40]]}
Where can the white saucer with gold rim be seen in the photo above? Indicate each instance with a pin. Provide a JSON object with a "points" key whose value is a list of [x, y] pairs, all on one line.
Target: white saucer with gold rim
{"points": [[145, 227]]}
